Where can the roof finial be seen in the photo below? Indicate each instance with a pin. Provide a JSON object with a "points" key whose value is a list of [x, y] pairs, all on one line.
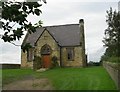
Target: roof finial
{"points": [[81, 21]]}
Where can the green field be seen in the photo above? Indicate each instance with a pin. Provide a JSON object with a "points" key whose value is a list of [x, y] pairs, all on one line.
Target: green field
{"points": [[10, 75], [0, 79], [92, 78]]}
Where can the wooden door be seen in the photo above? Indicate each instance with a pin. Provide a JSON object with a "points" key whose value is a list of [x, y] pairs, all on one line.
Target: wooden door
{"points": [[46, 61]]}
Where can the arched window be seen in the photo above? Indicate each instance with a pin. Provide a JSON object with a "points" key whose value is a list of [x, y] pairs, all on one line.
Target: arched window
{"points": [[30, 55], [46, 49]]}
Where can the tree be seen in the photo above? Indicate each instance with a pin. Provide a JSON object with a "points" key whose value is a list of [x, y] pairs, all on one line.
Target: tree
{"points": [[16, 13], [112, 34]]}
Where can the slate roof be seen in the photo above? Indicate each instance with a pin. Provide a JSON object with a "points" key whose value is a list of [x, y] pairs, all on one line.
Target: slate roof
{"points": [[65, 35]]}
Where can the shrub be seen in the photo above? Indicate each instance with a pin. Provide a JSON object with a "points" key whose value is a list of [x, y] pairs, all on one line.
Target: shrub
{"points": [[37, 62], [114, 59], [91, 63], [54, 61]]}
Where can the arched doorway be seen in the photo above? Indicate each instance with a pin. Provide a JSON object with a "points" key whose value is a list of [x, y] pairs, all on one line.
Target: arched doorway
{"points": [[45, 53]]}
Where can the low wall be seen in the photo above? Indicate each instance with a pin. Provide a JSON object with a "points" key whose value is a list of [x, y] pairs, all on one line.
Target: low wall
{"points": [[114, 72], [9, 66]]}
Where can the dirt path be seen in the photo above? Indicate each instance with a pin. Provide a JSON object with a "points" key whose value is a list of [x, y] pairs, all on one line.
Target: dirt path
{"points": [[29, 84]]}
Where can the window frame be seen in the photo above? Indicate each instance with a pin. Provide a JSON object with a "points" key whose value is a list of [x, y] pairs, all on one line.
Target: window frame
{"points": [[45, 50], [70, 50], [30, 55]]}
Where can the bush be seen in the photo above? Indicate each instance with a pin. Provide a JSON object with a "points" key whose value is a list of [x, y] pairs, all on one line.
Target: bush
{"points": [[91, 63], [54, 61], [114, 59], [37, 63]]}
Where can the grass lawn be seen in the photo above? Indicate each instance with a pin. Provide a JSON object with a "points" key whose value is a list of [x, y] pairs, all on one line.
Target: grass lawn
{"points": [[92, 78], [0, 79], [10, 75]]}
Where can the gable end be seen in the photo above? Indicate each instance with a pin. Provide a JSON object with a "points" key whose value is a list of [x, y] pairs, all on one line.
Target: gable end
{"points": [[50, 35]]}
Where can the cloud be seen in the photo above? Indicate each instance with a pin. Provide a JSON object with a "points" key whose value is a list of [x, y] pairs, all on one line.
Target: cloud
{"points": [[10, 53], [10, 58], [57, 12], [96, 55], [87, 1]]}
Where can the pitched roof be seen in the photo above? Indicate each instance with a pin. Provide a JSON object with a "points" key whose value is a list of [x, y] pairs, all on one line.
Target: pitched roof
{"points": [[65, 35]]}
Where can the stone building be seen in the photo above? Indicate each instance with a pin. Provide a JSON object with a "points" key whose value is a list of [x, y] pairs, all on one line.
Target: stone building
{"points": [[65, 42]]}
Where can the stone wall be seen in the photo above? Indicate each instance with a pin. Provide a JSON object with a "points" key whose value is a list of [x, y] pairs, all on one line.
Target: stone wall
{"points": [[114, 72], [9, 66], [78, 60], [24, 62], [46, 38]]}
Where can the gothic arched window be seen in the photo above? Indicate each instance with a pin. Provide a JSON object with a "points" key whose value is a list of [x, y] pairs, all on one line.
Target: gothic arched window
{"points": [[45, 49]]}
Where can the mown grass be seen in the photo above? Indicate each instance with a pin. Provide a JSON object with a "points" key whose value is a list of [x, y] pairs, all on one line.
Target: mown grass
{"points": [[10, 75], [93, 78], [0, 79]]}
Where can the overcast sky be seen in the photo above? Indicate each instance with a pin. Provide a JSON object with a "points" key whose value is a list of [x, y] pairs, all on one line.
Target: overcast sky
{"points": [[69, 12]]}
